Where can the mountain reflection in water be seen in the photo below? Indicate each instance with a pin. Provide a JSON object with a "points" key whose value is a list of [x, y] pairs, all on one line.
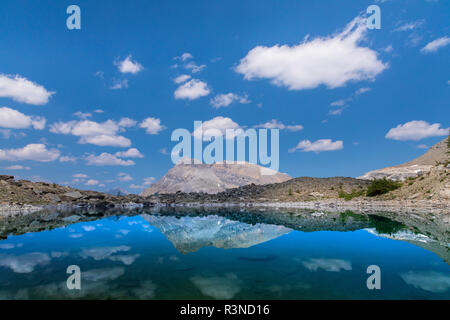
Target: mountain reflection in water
{"points": [[221, 253]]}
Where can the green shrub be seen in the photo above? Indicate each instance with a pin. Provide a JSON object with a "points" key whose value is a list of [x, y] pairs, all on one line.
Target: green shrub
{"points": [[349, 196], [381, 186]]}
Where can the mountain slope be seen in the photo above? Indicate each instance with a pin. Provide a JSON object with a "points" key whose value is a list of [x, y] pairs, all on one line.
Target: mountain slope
{"points": [[213, 178], [439, 153]]}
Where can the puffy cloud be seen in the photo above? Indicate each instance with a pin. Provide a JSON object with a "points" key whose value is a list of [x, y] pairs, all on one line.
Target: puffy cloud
{"points": [[431, 281], [127, 123], [194, 67], [24, 263], [220, 288], [152, 125], [130, 153], [332, 61], [17, 167], [224, 100], [129, 66], [332, 265], [92, 182], [191, 90], [318, 146], [101, 134], [13, 119], [103, 274], [119, 84], [181, 78], [124, 177], [185, 56], [107, 159], [275, 124], [416, 130], [101, 253], [147, 181], [34, 152], [434, 45], [22, 90], [106, 140], [216, 127]]}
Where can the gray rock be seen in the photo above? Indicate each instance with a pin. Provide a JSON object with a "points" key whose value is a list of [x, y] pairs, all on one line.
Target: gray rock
{"points": [[73, 195], [53, 197], [72, 218]]}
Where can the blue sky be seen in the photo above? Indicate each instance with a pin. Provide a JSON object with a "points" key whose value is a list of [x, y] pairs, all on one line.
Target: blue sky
{"points": [[350, 101]]}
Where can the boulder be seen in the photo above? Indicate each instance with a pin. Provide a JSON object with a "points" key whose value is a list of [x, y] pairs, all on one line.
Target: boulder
{"points": [[74, 195]]}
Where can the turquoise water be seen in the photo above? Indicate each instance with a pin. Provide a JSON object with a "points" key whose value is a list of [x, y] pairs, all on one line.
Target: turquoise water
{"points": [[222, 256]]}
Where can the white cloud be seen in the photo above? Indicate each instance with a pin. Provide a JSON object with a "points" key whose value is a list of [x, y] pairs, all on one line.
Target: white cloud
{"points": [[362, 90], [338, 103], [80, 175], [34, 152], [194, 67], [130, 153], [135, 186], [101, 134], [22, 90], [82, 115], [149, 180], [332, 61], [124, 177], [92, 182], [67, 159], [119, 84], [17, 167], [434, 45], [185, 56], [215, 127], [220, 288], [318, 146], [127, 123], [336, 112], [410, 25], [24, 263], [275, 124], [331, 265], [225, 99], [106, 140], [431, 281], [191, 90], [129, 66], [416, 130], [107, 159], [101, 253], [13, 119], [182, 78], [152, 125]]}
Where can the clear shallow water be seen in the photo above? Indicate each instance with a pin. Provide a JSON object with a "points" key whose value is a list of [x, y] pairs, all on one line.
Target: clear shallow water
{"points": [[227, 256]]}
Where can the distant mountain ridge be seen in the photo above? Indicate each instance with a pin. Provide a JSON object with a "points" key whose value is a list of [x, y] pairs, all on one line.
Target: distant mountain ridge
{"points": [[213, 178], [117, 192]]}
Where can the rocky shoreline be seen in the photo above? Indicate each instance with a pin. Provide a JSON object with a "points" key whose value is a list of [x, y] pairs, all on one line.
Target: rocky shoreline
{"points": [[418, 207]]}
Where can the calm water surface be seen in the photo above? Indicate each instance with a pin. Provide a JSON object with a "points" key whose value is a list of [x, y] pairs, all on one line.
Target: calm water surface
{"points": [[217, 255]]}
